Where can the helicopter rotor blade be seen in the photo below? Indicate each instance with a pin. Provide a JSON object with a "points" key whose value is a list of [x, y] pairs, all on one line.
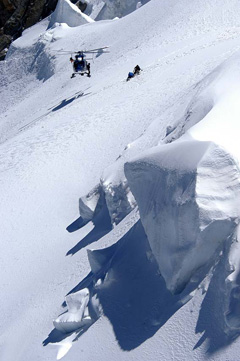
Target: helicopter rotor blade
{"points": [[92, 51], [96, 52], [81, 51], [64, 51], [97, 49]]}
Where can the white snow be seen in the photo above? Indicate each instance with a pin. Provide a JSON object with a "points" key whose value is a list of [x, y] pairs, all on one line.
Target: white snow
{"points": [[63, 138]]}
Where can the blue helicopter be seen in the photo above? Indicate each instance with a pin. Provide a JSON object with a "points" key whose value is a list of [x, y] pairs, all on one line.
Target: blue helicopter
{"points": [[81, 66]]}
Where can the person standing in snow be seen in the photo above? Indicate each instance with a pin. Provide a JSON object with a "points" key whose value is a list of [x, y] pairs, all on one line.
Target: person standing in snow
{"points": [[75, 63], [137, 70], [130, 76], [88, 69]]}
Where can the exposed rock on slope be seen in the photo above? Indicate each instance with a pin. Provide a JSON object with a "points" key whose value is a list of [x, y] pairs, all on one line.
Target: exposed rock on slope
{"points": [[15, 16]]}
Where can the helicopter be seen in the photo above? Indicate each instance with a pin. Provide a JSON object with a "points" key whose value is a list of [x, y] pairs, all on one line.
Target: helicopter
{"points": [[81, 66]]}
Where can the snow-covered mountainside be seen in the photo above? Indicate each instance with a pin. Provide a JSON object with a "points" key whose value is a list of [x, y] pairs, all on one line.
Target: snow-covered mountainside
{"points": [[136, 182]]}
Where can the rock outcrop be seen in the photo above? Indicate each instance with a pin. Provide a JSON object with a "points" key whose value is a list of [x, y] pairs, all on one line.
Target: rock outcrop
{"points": [[17, 15]]}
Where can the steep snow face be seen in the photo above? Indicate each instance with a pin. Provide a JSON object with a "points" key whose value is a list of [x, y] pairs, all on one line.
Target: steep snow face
{"points": [[213, 111], [110, 9], [67, 12], [188, 195], [119, 8], [221, 124], [214, 100]]}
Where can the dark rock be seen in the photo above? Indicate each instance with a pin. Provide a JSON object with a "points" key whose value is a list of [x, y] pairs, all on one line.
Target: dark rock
{"points": [[17, 15], [3, 54], [49, 7], [15, 22], [5, 41], [34, 12], [82, 6], [6, 10]]}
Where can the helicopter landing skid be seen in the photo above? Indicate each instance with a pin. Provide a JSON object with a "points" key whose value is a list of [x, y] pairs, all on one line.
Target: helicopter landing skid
{"points": [[74, 74]]}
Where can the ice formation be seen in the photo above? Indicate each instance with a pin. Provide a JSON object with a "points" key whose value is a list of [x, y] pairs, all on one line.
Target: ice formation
{"points": [[91, 203], [116, 198], [67, 12], [77, 315], [109, 9], [229, 286], [188, 194]]}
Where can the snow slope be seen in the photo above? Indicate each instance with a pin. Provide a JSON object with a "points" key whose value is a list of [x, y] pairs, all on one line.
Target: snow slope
{"points": [[60, 138]]}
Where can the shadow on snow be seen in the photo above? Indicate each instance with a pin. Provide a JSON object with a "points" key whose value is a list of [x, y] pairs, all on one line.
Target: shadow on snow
{"points": [[102, 226], [55, 108], [211, 320], [133, 295]]}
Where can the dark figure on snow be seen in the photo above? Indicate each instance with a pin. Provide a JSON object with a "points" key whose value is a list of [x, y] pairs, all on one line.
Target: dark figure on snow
{"points": [[88, 69], [130, 75], [75, 63], [136, 70]]}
